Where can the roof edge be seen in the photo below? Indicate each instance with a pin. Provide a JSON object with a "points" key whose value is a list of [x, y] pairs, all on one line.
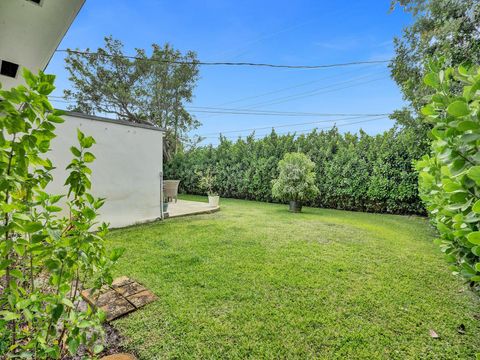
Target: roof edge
{"points": [[112, 121]]}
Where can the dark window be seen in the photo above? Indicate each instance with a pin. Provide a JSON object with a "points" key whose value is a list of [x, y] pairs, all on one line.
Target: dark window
{"points": [[8, 69]]}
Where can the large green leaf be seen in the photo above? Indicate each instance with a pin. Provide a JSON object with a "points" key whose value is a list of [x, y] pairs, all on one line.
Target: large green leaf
{"points": [[474, 174], [474, 237], [476, 206], [458, 108]]}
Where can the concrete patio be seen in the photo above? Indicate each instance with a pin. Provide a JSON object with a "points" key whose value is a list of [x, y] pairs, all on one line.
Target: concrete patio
{"points": [[185, 208]]}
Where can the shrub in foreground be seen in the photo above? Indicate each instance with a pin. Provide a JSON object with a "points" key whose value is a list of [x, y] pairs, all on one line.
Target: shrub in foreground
{"points": [[450, 175], [44, 258]]}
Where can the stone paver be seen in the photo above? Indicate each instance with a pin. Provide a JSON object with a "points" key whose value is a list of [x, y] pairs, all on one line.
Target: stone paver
{"points": [[124, 296], [130, 289], [119, 357], [142, 298]]}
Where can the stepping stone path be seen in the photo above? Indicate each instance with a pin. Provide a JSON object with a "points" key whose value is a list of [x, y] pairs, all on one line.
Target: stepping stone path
{"points": [[122, 297]]}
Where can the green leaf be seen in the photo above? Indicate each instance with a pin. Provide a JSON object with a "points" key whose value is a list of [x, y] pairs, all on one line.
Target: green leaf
{"points": [[30, 79], [467, 125], [84, 324], [19, 249], [57, 312], [67, 302], [88, 157], [55, 119], [80, 135], [9, 316], [87, 142], [474, 173], [458, 109], [450, 186], [474, 237], [431, 79], [98, 348], [32, 227], [16, 273], [73, 345], [428, 110], [475, 250], [476, 207], [75, 151], [45, 88]]}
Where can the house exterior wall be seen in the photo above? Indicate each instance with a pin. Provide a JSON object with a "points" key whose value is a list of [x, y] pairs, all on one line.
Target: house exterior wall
{"points": [[30, 32], [126, 171]]}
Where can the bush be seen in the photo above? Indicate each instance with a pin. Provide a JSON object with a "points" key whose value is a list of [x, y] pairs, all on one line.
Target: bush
{"points": [[353, 171], [207, 180], [296, 179], [45, 259], [450, 175]]}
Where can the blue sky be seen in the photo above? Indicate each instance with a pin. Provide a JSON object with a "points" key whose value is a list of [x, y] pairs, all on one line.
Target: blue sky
{"points": [[283, 32]]}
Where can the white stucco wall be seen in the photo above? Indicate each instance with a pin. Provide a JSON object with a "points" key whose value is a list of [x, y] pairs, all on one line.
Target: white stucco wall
{"points": [[30, 32], [126, 171]]}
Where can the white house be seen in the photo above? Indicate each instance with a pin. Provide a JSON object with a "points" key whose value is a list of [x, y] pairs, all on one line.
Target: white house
{"points": [[128, 168]]}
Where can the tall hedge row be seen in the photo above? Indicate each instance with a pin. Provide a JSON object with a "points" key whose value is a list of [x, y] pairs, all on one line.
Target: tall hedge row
{"points": [[353, 171]]}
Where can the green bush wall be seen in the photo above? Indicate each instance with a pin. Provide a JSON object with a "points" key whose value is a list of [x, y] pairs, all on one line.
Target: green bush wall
{"points": [[353, 171]]}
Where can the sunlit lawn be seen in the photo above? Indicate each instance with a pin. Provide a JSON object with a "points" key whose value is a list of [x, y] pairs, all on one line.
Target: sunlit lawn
{"points": [[255, 281]]}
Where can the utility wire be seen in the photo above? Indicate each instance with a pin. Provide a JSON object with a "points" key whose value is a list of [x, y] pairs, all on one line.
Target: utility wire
{"points": [[328, 89], [292, 113], [290, 87], [255, 113], [297, 132], [318, 91], [227, 63], [234, 111], [239, 111], [289, 125]]}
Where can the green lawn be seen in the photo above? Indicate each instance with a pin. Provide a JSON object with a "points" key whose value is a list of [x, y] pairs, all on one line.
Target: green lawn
{"points": [[255, 281]]}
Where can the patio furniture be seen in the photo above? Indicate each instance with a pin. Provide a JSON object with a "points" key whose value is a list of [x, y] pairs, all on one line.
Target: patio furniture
{"points": [[170, 189]]}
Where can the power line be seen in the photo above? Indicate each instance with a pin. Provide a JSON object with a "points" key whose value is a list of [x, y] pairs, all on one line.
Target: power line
{"points": [[227, 63], [239, 111], [301, 131], [288, 125], [290, 87], [254, 112], [276, 113], [318, 91], [328, 89]]}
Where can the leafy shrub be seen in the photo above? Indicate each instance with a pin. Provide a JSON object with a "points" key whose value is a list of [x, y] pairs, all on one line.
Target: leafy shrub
{"points": [[296, 178], [207, 180], [450, 175], [353, 171], [44, 258]]}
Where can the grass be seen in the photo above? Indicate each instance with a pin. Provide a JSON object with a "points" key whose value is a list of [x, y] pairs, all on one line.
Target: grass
{"points": [[255, 281]]}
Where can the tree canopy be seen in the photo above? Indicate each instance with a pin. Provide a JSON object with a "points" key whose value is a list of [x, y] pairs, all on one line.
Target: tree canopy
{"points": [[143, 89], [446, 28]]}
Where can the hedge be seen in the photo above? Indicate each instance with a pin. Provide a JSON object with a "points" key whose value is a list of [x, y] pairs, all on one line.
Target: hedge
{"points": [[353, 171]]}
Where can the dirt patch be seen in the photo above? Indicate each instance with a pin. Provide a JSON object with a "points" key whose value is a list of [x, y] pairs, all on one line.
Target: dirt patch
{"points": [[112, 344]]}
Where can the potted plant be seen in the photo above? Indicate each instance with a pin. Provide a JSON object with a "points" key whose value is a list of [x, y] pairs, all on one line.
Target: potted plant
{"points": [[296, 180], [207, 179]]}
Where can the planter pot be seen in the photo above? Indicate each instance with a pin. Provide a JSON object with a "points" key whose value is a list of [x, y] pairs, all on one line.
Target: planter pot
{"points": [[295, 206], [165, 207], [213, 200]]}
